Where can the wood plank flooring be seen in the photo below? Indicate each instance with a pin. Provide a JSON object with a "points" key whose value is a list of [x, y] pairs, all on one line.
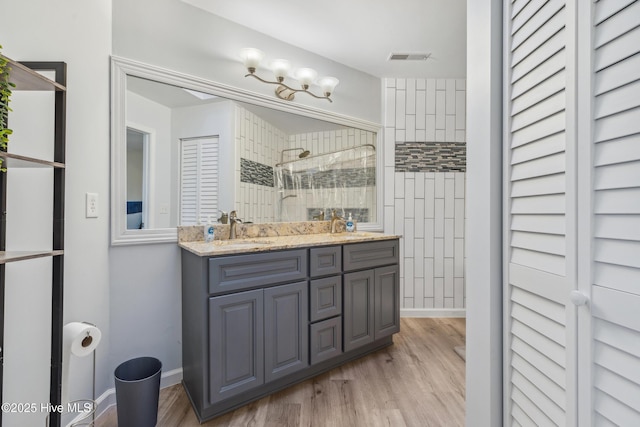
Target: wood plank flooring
{"points": [[419, 381]]}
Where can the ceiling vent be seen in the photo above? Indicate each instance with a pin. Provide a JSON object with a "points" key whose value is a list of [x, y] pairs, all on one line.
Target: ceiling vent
{"points": [[409, 56]]}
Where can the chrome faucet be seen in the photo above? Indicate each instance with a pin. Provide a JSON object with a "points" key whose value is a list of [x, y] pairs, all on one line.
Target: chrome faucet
{"points": [[233, 220], [320, 216], [334, 220]]}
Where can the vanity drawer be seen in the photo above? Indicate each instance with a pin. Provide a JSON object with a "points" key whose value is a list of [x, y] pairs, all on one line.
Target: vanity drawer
{"points": [[326, 298], [325, 339], [358, 256], [232, 273], [325, 261]]}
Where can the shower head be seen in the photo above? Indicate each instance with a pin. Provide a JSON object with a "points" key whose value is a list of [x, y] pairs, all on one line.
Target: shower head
{"points": [[302, 155]]}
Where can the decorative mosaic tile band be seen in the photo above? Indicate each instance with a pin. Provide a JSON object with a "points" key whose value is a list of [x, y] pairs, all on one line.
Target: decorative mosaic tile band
{"points": [[431, 157], [255, 173], [342, 178], [358, 214]]}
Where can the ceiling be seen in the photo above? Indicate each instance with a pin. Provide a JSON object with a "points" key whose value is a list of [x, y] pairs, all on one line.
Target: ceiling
{"points": [[362, 33]]}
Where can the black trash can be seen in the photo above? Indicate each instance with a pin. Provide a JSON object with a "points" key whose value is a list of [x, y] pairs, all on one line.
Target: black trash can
{"points": [[137, 391]]}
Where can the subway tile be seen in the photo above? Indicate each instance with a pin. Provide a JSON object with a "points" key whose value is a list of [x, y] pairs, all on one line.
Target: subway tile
{"points": [[430, 131], [450, 97], [389, 186], [450, 128], [421, 109], [429, 290], [448, 277], [448, 303], [429, 302], [429, 198], [429, 250], [458, 293], [439, 218], [421, 135], [439, 186], [421, 84], [410, 132], [449, 198], [399, 217], [459, 218], [440, 109], [448, 238], [401, 84], [409, 196], [389, 82], [460, 184], [408, 240], [418, 288], [461, 84], [411, 96], [401, 99], [439, 135], [408, 277], [441, 84], [418, 255], [438, 259], [431, 96], [408, 302], [461, 110], [399, 185], [458, 259], [419, 185], [389, 147], [401, 135], [419, 218], [438, 298], [461, 136]]}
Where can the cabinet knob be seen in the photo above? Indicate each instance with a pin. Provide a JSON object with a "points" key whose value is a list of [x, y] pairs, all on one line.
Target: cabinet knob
{"points": [[578, 298]]}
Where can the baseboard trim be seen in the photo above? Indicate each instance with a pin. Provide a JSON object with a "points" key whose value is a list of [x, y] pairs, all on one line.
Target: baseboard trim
{"points": [[108, 398], [433, 312]]}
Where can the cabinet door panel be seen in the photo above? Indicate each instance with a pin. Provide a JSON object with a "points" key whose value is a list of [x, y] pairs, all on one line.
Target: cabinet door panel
{"points": [[326, 298], [236, 344], [358, 309], [326, 339], [387, 301], [285, 329]]}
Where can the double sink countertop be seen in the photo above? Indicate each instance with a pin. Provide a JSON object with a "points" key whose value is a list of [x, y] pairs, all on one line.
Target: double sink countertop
{"points": [[270, 236]]}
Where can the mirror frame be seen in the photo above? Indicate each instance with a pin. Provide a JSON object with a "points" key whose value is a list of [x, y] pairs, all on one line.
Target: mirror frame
{"points": [[123, 67]]}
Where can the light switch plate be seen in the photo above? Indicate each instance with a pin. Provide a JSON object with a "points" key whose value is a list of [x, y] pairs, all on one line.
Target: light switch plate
{"points": [[92, 205]]}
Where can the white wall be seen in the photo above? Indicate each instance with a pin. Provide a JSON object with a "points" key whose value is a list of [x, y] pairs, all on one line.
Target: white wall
{"points": [[79, 33], [426, 208]]}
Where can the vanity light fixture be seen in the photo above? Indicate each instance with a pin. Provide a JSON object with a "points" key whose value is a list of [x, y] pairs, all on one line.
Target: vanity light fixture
{"points": [[251, 58]]}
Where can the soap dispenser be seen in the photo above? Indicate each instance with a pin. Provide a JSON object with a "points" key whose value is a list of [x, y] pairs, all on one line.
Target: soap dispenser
{"points": [[208, 231], [351, 225]]}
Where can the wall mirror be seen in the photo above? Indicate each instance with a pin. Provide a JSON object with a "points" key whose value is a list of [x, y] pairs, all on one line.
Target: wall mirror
{"points": [[185, 150]]}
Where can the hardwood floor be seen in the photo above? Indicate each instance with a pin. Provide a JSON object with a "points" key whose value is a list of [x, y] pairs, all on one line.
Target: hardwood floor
{"points": [[419, 381]]}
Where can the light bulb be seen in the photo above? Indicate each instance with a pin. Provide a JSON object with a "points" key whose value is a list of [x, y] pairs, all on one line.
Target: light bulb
{"points": [[280, 68], [306, 76], [328, 84], [251, 58]]}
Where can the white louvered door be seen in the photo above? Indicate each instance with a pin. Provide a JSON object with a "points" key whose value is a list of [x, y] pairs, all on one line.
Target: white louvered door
{"points": [[572, 213], [198, 179], [540, 191], [615, 293]]}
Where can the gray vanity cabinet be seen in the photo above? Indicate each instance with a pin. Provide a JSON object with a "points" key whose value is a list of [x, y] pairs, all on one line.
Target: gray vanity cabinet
{"points": [[371, 292], [255, 323], [285, 329], [236, 344]]}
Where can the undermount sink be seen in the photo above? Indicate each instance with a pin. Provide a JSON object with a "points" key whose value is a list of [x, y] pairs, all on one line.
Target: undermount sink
{"points": [[241, 242]]}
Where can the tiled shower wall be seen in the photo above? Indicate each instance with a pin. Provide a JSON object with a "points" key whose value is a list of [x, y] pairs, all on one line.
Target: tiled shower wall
{"points": [[424, 199]]}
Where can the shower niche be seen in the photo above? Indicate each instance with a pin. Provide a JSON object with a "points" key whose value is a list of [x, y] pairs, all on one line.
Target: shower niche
{"points": [[311, 186]]}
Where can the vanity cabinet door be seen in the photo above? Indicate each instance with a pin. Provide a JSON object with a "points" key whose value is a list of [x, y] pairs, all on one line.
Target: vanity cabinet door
{"points": [[387, 301], [286, 316], [358, 309], [236, 344]]}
